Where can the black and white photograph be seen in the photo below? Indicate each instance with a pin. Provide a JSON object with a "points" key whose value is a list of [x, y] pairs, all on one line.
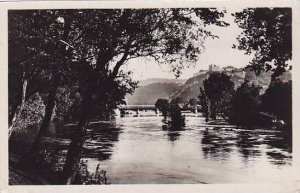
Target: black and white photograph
{"points": [[167, 95]]}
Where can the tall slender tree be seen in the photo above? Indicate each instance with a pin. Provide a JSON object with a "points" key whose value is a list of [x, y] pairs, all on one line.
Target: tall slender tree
{"points": [[277, 100], [267, 33], [204, 105], [163, 106], [172, 36], [216, 95], [43, 36], [91, 46], [245, 105]]}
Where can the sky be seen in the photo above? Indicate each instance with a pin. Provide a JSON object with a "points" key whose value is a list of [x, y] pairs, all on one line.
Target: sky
{"points": [[217, 51]]}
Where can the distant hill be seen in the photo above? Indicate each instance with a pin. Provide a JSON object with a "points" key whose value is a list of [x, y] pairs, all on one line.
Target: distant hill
{"points": [[191, 88], [147, 95], [264, 79], [152, 89], [160, 80]]}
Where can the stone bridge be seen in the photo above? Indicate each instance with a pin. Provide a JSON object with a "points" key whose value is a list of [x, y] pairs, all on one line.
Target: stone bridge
{"points": [[125, 108]]}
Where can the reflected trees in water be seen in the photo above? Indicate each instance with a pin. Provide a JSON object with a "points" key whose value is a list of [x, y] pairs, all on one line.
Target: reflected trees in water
{"points": [[248, 143], [173, 132], [87, 48], [215, 143], [219, 143], [83, 52], [174, 121], [99, 142]]}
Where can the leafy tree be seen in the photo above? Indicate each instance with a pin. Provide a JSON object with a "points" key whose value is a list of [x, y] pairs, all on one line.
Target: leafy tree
{"points": [[89, 48], [245, 105], [163, 106], [177, 120], [216, 95], [32, 113], [267, 33], [172, 109], [277, 100], [43, 36], [64, 102], [176, 100], [193, 102], [203, 102], [172, 36], [18, 70]]}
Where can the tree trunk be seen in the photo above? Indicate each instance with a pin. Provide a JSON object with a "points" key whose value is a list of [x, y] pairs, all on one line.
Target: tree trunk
{"points": [[74, 152], [78, 138], [35, 147], [19, 110], [212, 111], [12, 112]]}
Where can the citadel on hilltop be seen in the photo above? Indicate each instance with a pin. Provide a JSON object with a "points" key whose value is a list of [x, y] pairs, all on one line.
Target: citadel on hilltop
{"points": [[229, 70]]}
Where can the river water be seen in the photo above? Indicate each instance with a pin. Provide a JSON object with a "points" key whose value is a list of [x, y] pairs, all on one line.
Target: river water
{"points": [[138, 150]]}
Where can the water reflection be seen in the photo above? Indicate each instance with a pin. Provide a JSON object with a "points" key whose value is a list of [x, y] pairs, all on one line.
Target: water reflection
{"points": [[279, 147], [173, 132], [100, 140], [138, 150], [216, 143], [248, 143]]}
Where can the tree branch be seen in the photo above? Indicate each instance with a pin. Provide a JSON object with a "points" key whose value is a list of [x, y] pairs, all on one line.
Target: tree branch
{"points": [[120, 63]]}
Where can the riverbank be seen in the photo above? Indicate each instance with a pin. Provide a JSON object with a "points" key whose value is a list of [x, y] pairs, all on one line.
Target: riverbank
{"points": [[19, 176], [16, 179]]}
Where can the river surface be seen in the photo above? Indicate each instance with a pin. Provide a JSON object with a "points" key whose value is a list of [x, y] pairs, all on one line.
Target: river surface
{"points": [[140, 150]]}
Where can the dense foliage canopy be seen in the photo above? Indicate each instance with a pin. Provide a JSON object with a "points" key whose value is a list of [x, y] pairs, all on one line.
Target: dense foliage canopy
{"points": [[245, 105], [267, 33], [215, 96]]}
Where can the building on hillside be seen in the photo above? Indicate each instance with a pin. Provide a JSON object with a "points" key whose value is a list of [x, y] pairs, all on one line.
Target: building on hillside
{"points": [[228, 69], [249, 74], [200, 73], [240, 72], [232, 71], [213, 68]]}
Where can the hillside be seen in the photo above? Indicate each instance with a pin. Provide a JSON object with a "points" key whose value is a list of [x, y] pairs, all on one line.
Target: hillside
{"points": [[160, 80], [191, 88], [147, 95], [152, 89]]}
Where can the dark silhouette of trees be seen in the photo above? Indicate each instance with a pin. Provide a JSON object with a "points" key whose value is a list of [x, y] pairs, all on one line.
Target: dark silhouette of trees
{"points": [[203, 102], [87, 48], [277, 100], [116, 36], [40, 37], [163, 106], [19, 70], [177, 120], [171, 109], [193, 102], [267, 33], [246, 105], [215, 97]]}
